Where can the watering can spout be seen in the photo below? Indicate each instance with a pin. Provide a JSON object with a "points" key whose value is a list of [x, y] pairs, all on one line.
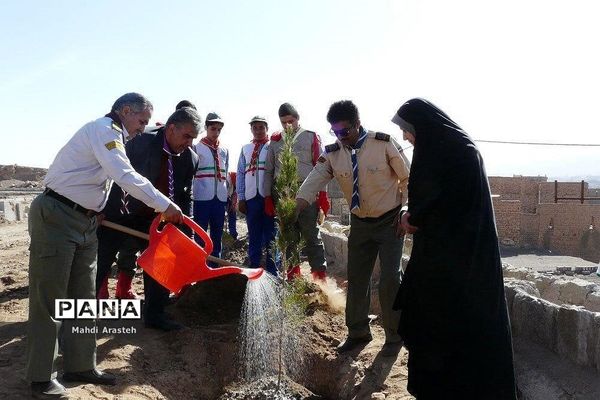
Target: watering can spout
{"points": [[175, 260]]}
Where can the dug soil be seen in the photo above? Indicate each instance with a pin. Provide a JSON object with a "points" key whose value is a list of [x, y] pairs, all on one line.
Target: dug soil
{"points": [[200, 361]]}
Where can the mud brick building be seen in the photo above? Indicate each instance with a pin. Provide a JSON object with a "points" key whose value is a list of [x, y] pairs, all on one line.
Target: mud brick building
{"points": [[527, 215]]}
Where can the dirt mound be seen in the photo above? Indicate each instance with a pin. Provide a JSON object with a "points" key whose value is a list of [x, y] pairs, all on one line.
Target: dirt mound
{"points": [[22, 173]]}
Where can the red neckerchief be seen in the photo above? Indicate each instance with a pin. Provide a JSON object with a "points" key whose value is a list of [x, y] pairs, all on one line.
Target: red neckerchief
{"points": [[214, 147], [253, 160]]}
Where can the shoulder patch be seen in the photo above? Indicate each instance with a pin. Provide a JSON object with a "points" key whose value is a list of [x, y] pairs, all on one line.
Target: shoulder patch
{"points": [[114, 144], [330, 148], [116, 127], [382, 136], [276, 137], [321, 159]]}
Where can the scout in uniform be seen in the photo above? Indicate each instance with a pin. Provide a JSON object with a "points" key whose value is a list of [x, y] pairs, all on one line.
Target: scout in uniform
{"points": [[210, 183], [307, 148], [251, 195], [62, 226], [373, 174]]}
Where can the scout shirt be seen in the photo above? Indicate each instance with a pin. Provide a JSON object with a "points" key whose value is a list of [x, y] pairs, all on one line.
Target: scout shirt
{"points": [[382, 175], [84, 169], [306, 147]]}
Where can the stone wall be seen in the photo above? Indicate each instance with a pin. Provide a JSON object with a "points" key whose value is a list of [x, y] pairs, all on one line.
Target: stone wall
{"points": [[560, 314]]}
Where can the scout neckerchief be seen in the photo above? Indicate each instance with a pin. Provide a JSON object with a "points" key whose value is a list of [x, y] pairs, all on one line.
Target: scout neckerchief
{"points": [[170, 156], [254, 158], [214, 147], [125, 197], [361, 139]]}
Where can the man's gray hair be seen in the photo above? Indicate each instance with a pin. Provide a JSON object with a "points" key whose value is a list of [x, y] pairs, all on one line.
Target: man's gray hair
{"points": [[135, 101], [186, 115]]}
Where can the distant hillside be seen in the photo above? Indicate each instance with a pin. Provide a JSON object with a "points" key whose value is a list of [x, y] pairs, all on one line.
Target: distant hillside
{"points": [[22, 173]]}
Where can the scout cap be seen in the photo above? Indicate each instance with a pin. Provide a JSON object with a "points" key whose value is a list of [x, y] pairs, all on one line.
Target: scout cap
{"points": [[258, 118], [213, 117]]}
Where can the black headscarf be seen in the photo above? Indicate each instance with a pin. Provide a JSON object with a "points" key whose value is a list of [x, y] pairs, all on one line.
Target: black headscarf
{"points": [[454, 319]]}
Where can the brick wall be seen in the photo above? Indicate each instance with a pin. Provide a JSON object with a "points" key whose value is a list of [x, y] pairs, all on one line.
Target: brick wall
{"points": [[570, 233], [530, 228], [523, 188], [508, 221]]}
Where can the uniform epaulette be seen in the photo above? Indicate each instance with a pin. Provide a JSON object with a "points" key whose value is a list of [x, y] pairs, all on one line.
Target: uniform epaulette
{"points": [[382, 136], [116, 127], [276, 137], [330, 148]]}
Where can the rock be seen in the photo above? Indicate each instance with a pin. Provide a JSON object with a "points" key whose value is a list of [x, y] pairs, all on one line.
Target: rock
{"points": [[378, 396], [575, 291], [534, 319], [592, 301]]}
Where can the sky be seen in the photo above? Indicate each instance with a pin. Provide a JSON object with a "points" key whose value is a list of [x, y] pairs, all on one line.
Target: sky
{"points": [[512, 70]]}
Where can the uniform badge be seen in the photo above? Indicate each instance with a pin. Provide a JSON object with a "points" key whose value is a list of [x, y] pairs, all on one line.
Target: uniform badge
{"points": [[321, 159], [116, 127], [114, 144]]}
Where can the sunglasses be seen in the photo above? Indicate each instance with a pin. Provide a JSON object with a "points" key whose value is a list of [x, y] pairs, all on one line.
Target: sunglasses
{"points": [[341, 133]]}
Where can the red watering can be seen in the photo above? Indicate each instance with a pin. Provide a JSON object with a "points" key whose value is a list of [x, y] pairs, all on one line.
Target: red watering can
{"points": [[175, 260]]}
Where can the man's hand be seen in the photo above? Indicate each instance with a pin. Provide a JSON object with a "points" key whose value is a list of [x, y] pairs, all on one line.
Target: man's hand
{"points": [[301, 204], [242, 207], [406, 225], [269, 207], [397, 223], [172, 214]]}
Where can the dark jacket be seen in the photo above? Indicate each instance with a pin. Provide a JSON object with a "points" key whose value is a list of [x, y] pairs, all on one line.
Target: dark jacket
{"points": [[145, 152]]}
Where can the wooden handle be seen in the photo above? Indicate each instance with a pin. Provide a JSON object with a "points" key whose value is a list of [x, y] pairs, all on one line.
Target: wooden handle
{"points": [[145, 236]]}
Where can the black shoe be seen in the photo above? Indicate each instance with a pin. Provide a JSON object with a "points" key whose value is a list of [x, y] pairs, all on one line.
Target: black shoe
{"points": [[351, 343], [48, 390], [391, 349], [92, 376], [164, 324]]}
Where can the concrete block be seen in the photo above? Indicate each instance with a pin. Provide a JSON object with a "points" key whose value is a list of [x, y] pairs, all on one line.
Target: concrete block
{"points": [[9, 210]]}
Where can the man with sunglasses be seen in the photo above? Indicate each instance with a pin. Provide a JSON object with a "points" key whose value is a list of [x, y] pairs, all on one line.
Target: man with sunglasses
{"points": [[373, 174], [307, 148]]}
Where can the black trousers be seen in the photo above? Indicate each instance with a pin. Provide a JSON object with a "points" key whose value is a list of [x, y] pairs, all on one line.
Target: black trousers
{"points": [[116, 246]]}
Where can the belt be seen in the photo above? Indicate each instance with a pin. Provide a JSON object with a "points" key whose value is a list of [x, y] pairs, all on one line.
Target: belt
{"points": [[70, 203], [387, 214]]}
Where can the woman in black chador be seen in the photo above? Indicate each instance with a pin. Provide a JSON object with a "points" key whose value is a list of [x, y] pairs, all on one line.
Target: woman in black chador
{"points": [[454, 319]]}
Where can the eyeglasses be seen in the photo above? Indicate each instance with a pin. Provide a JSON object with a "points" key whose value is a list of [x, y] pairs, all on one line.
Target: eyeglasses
{"points": [[341, 133]]}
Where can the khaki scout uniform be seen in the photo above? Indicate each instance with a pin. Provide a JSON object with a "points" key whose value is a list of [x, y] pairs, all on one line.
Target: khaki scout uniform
{"points": [[63, 250], [382, 182], [307, 221]]}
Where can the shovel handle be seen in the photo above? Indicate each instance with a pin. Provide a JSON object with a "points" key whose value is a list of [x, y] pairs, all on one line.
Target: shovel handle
{"points": [[145, 236]]}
